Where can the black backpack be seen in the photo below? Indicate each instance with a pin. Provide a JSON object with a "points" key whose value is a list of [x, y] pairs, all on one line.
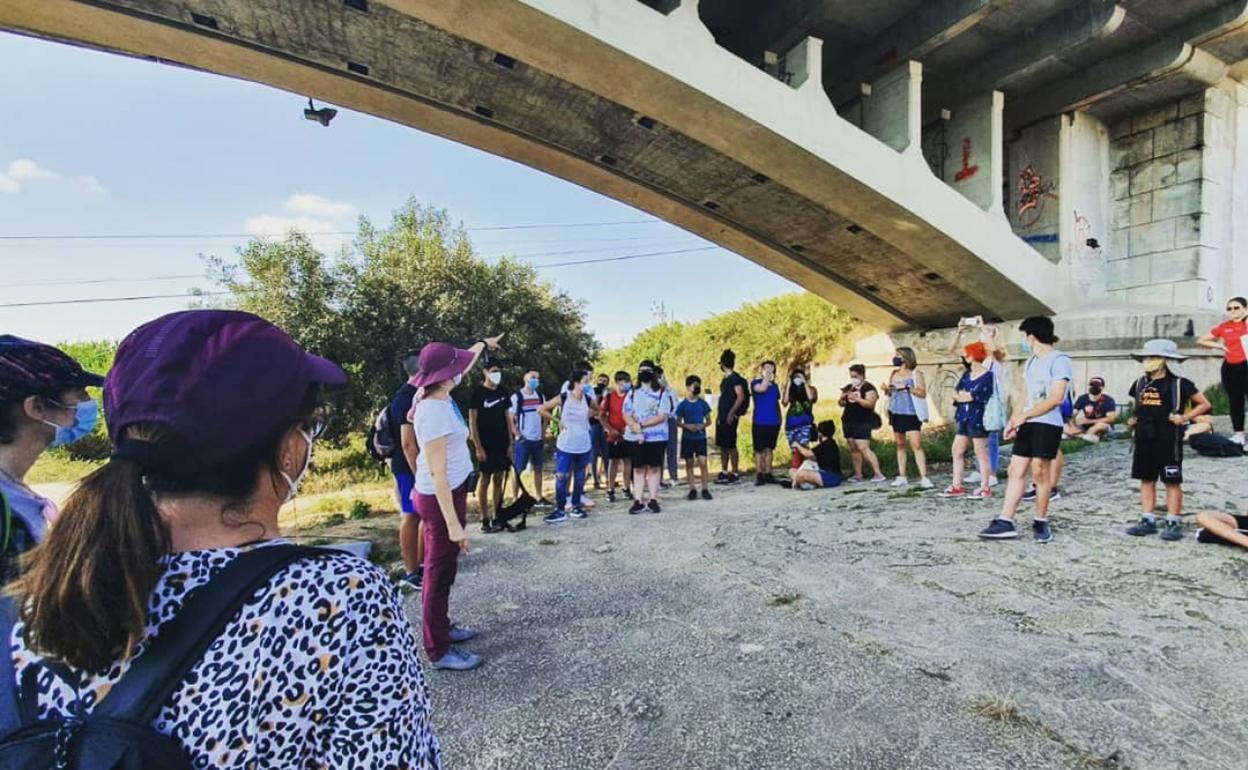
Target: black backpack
{"points": [[118, 734], [380, 439], [1213, 445]]}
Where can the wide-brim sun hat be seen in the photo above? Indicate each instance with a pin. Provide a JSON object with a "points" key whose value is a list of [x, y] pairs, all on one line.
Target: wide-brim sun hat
{"points": [[222, 381], [441, 361], [1159, 348]]}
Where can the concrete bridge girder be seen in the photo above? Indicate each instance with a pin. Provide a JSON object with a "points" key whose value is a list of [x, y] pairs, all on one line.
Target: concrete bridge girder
{"points": [[840, 213]]}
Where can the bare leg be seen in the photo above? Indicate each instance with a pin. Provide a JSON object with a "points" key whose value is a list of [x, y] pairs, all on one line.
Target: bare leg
{"points": [[639, 485], [1222, 525], [985, 465], [1014, 487], [483, 494], [1148, 496], [855, 457], [705, 467], [920, 457], [901, 454], [1174, 499], [959, 459], [653, 477], [499, 478], [1056, 466], [864, 446], [1042, 472]]}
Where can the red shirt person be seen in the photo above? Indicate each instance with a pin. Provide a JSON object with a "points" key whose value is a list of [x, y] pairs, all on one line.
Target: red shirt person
{"points": [[1231, 337]]}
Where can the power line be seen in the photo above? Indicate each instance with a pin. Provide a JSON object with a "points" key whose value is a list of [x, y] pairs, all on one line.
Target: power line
{"points": [[168, 236], [84, 301], [91, 281]]}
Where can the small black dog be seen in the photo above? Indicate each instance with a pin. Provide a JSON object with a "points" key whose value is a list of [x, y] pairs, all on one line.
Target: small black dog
{"points": [[516, 509]]}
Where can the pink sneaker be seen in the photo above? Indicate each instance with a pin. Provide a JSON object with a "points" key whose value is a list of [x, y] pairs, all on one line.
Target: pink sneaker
{"points": [[982, 493], [952, 491]]}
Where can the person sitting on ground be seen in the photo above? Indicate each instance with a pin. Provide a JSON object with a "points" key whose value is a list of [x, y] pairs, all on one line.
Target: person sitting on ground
{"points": [[766, 428], [491, 424], [821, 465], [574, 447], [529, 433], [187, 503], [614, 424], [906, 389], [1200, 425], [1094, 414], [858, 420], [402, 467], [971, 397], [1222, 528], [43, 403], [646, 410], [799, 398], [1162, 398], [691, 415], [732, 404]]}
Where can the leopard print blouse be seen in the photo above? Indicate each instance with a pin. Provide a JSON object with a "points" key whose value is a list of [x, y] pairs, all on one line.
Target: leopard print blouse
{"points": [[318, 671]]}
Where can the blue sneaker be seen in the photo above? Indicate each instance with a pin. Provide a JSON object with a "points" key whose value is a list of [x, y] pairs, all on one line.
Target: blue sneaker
{"points": [[457, 660], [1173, 531], [555, 517], [999, 529], [1143, 527], [578, 513], [411, 582], [1030, 495], [462, 633], [1041, 532]]}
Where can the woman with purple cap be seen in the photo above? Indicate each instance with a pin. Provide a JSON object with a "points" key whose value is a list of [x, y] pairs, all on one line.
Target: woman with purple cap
{"points": [[43, 403], [164, 598], [441, 495]]}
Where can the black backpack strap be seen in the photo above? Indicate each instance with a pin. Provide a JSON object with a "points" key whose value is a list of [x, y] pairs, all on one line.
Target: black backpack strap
{"points": [[154, 676], [10, 702]]}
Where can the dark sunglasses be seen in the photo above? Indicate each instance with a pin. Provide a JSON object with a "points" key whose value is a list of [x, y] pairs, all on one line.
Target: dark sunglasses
{"points": [[1233, 308]]}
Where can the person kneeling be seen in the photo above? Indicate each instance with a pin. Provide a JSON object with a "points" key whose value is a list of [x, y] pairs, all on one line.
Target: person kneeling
{"points": [[821, 466]]}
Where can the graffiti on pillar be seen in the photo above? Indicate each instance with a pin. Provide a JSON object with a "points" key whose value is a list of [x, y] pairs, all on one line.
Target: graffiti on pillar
{"points": [[1085, 261], [1032, 193], [967, 171]]}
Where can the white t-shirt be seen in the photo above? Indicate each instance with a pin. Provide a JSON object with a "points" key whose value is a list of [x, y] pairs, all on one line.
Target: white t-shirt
{"points": [[433, 419], [1039, 373], [574, 426], [643, 404], [524, 404]]}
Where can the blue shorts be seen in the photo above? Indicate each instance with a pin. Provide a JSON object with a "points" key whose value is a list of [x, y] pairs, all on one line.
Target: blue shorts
{"points": [[971, 428], [830, 479], [530, 453], [404, 484]]}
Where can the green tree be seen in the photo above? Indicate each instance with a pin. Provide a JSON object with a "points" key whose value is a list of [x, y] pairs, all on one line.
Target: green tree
{"points": [[397, 288]]}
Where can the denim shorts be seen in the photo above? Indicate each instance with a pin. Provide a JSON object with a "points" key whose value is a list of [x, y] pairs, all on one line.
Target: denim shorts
{"points": [[529, 453], [971, 429]]}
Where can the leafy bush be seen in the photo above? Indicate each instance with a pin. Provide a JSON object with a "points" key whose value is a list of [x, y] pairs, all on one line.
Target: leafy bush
{"points": [[1218, 398], [359, 510]]}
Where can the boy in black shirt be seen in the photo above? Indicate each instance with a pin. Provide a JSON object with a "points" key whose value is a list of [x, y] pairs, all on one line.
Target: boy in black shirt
{"points": [[733, 402], [491, 425], [1159, 421], [826, 459]]}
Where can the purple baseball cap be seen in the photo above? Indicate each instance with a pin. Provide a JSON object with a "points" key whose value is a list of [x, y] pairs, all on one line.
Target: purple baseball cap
{"points": [[32, 368], [440, 361], [222, 380]]}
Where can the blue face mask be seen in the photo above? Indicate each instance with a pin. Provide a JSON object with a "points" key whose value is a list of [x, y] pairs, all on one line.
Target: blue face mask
{"points": [[1026, 345], [86, 415], [587, 389], [625, 387], [533, 383]]}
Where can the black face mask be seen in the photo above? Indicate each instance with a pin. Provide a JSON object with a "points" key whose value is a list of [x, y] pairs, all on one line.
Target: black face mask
{"points": [[1095, 391], [645, 376], [695, 389]]}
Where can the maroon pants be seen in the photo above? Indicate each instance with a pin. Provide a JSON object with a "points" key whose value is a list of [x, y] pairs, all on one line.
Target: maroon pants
{"points": [[441, 564]]}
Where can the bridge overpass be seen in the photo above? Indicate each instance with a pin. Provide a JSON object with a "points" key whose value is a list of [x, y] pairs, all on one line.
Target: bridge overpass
{"points": [[910, 161]]}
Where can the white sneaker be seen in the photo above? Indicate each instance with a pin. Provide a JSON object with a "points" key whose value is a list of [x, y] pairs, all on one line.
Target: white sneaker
{"points": [[1238, 438], [879, 479], [926, 483], [900, 481], [586, 502], [1091, 438], [972, 478], [993, 480]]}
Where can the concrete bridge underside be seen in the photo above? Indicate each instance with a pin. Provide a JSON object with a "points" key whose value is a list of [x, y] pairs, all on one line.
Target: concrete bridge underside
{"points": [[636, 103]]}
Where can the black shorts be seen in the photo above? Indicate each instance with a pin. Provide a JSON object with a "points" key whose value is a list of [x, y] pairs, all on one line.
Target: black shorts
{"points": [[726, 435], [904, 423], [691, 449], [1151, 458], [1205, 536], [857, 430], [620, 450], [649, 454], [970, 429], [496, 459], [765, 436], [1038, 440]]}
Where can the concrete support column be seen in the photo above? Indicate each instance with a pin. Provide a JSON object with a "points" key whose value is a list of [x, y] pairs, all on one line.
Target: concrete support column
{"points": [[892, 111], [976, 160], [1034, 162], [1083, 205], [802, 66]]}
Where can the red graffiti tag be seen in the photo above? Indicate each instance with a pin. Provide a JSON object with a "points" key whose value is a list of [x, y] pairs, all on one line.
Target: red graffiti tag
{"points": [[1032, 191], [967, 171]]}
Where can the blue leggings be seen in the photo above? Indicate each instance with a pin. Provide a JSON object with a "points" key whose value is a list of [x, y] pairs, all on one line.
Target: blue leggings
{"points": [[994, 449], [574, 464]]}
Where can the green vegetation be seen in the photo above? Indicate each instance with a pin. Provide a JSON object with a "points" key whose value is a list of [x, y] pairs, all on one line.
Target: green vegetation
{"points": [[393, 290], [1218, 398], [360, 509], [790, 328]]}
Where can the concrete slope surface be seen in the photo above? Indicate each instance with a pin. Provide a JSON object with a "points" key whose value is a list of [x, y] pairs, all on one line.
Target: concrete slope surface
{"points": [[855, 628]]}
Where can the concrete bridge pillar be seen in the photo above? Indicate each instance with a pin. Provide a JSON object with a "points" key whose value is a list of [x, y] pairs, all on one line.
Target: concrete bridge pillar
{"points": [[974, 133]]}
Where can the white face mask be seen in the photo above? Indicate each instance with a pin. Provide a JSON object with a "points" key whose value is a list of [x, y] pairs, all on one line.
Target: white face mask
{"points": [[855, 381], [456, 380], [293, 484], [799, 380], [495, 377]]}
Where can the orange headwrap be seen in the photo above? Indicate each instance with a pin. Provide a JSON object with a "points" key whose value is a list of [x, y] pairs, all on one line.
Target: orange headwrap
{"points": [[977, 351]]}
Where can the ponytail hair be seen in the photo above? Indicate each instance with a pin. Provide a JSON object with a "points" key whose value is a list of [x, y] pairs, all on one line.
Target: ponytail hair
{"points": [[85, 596]]}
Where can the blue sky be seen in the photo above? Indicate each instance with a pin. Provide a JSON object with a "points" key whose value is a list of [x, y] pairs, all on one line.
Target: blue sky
{"points": [[96, 143]]}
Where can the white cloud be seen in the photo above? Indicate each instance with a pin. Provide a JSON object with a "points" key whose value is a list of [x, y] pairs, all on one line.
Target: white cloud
{"points": [[308, 204], [23, 170], [88, 184], [278, 227]]}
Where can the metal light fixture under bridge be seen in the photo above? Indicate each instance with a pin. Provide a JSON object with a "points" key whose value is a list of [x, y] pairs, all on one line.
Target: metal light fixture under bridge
{"points": [[322, 115]]}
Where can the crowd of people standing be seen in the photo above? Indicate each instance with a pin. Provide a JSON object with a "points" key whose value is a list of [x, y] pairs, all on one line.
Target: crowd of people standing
{"points": [[175, 539]]}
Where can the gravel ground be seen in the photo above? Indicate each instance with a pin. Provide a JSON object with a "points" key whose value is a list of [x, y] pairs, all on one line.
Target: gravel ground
{"points": [[855, 628]]}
